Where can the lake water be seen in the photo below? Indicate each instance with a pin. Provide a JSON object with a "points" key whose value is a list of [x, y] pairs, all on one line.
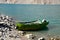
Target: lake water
{"points": [[25, 12]]}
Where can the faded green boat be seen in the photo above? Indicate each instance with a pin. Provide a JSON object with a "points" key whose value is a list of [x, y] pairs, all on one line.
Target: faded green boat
{"points": [[33, 25]]}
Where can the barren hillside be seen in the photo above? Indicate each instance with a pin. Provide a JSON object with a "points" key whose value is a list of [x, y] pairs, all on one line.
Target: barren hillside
{"points": [[30, 1]]}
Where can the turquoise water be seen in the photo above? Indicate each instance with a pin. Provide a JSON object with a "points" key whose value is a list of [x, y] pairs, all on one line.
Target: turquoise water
{"points": [[25, 12]]}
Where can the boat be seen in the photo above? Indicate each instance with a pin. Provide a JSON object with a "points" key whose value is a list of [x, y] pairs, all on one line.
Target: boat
{"points": [[33, 25]]}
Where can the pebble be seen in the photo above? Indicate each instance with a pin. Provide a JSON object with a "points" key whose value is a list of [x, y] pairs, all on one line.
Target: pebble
{"points": [[21, 32], [30, 36], [2, 39], [41, 38], [52, 38], [0, 33]]}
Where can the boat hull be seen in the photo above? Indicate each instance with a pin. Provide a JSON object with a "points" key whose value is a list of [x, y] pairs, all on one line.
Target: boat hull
{"points": [[31, 27]]}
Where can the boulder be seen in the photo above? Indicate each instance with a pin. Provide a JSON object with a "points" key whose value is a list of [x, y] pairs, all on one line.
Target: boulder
{"points": [[30, 36], [41, 38]]}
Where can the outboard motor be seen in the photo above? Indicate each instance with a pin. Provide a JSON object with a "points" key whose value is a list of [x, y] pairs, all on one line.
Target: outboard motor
{"points": [[44, 21]]}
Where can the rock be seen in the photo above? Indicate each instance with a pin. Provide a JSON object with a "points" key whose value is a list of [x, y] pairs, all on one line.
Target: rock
{"points": [[0, 29], [7, 17], [17, 36], [52, 38], [21, 32], [8, 29], [11, 36], [2, 39], [30, 36], [0, 34], [7, 21], [41, 38]]}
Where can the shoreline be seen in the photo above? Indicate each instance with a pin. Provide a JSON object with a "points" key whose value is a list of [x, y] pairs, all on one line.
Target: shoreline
{"points": [[9, 32], [47, 36]]}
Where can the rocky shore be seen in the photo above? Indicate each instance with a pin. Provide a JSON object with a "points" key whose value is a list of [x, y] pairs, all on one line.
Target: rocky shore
{"points": [[8, 31]]}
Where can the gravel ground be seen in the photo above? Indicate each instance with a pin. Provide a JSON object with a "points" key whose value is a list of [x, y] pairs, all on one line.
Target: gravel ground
{"points": [[8, 30], [11, 35]]}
